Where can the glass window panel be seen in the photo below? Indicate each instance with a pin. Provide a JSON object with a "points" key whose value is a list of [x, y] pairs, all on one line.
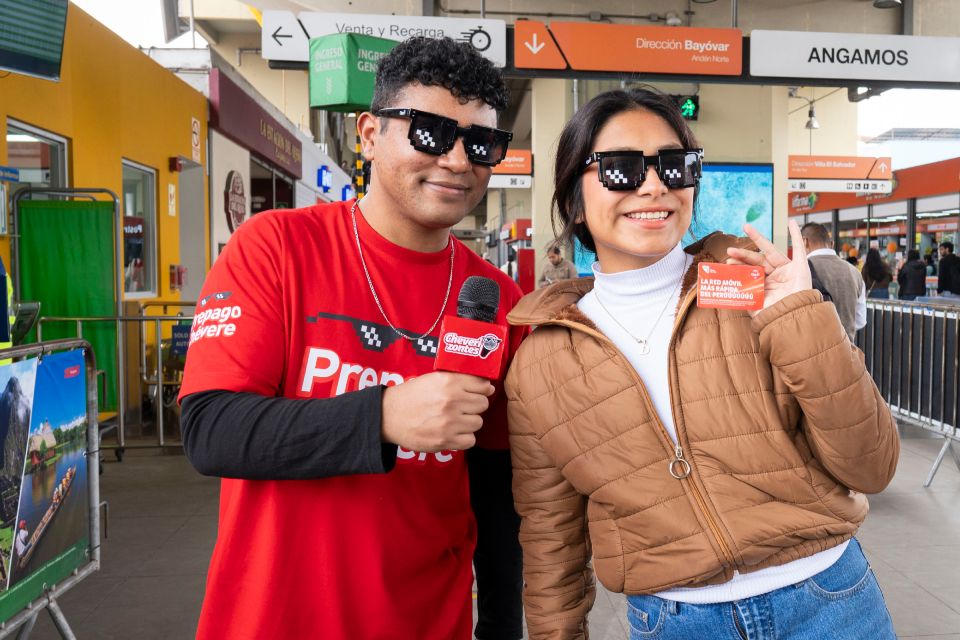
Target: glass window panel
{"points": [[41, 159], [139, 230], [283, 189], [261, 187]]}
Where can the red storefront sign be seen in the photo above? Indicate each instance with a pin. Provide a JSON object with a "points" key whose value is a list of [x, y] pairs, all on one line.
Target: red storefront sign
{"points": [[931, 227], [235, 114]]}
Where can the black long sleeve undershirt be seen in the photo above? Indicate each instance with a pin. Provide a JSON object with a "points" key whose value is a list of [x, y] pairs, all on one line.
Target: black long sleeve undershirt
{"points": [[231, 434], [244, 435]]}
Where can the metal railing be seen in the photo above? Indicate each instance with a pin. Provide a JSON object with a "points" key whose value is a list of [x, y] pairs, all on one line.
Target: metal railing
{"points": [[912, 351], [144, 365], [156, 378]]}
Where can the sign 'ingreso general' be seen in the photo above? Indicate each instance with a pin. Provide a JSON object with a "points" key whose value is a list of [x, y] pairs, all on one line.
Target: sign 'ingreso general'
{"points": [[803, 54], [343, 68]]}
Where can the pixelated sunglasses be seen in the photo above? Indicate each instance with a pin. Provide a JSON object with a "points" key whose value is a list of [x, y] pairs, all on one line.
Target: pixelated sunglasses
{"points": [[436, 135], [626, 170]]}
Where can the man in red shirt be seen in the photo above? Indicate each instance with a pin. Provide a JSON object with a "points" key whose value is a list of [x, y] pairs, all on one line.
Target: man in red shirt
{"points": [[345, 507]]}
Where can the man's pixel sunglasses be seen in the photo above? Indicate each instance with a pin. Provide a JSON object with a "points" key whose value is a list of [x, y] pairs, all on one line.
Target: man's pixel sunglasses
{"points": [[626, 170], [436, 135]]}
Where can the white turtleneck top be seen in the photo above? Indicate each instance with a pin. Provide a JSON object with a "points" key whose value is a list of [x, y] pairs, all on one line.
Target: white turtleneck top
{"points": [[625, 306]]}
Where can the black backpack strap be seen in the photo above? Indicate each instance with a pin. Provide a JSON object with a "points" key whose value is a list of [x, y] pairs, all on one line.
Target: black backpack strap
{"points": [[818, 283]]}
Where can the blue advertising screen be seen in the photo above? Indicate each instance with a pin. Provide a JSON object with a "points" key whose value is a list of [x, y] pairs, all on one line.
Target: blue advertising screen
{"points": [[730, 195]]}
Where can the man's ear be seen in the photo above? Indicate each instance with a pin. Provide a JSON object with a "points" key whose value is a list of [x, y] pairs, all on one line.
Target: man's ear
{"points": [[368, 126]]}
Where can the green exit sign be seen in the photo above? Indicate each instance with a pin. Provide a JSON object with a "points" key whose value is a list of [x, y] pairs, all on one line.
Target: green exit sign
{"points": [[689, 106]]}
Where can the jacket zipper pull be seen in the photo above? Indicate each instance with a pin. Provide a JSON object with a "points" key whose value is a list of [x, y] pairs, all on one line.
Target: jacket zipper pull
{"points": [[679, 468]]}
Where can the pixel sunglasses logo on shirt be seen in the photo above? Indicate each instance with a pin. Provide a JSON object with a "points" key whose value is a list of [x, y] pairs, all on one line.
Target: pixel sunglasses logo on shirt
{"points": [[221, 319]]}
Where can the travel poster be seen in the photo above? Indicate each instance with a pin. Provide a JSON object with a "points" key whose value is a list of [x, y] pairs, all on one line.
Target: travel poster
{"points": [[16, 403], [53, 514]]}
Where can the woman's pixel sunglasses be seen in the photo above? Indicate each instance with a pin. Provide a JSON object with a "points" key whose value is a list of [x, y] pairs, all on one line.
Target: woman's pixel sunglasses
{"points": [[626, 170]]}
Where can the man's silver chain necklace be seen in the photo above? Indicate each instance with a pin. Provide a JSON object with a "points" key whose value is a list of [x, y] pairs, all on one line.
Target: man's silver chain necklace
{"points": [[643, 343], [376, 298]]}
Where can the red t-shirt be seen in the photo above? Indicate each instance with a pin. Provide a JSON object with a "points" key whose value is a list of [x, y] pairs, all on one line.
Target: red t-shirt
{"points": [[287, 311]]}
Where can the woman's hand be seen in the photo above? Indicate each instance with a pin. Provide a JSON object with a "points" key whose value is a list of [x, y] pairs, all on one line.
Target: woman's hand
{"points": [[784, 276]]}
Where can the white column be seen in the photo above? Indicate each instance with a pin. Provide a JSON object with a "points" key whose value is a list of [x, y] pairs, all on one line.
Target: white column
{"points": [[552, 107]]}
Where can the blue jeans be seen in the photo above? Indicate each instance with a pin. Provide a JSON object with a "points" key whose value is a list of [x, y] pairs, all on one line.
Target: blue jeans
{"points": [[883, 294], [843, 602]]}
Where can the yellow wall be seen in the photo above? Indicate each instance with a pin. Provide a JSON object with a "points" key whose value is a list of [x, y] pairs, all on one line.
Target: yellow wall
{"points": [[552, 107], [111, 103]]}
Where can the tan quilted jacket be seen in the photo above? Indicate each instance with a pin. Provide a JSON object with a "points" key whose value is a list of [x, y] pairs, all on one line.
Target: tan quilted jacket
{"points": [[781, 426]]}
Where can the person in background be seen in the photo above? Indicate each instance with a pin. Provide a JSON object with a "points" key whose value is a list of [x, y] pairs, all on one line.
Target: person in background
{"points": [[931, 263], [559, 268], [359, 486], [853, 260], [841, 280], [948, 277], [711, 464], [510, 266], [912, 277], [876, 275]]}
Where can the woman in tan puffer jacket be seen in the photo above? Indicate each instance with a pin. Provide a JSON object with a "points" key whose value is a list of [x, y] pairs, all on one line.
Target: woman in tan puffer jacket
{"points": [[709, 463]]}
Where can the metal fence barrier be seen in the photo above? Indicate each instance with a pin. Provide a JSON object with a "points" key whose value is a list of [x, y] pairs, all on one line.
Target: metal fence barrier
{"points": [[913, 353], [151, 374], [24, 621]]}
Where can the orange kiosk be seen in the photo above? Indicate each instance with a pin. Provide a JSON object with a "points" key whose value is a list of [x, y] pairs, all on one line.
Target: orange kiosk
{"points": [[518, 237]]}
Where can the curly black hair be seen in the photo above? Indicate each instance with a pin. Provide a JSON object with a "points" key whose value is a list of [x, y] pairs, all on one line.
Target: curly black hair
{"points": [[439, 62]]}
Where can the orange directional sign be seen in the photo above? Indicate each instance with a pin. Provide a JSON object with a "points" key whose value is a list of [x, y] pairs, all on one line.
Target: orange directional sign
{"points": [[516, 162], [916, 182], [534, 48], [629, 48], [840, 168]]}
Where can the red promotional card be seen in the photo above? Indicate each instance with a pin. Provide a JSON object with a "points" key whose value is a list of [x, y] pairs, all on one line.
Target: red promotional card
{"points": [[730, 286]]}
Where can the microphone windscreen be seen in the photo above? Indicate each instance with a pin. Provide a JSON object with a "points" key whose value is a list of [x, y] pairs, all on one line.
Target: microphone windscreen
{"points": [[479, 299]]}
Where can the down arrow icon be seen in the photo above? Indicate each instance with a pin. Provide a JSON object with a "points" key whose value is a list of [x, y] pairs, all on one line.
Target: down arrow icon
{"points": [[536, 46]]}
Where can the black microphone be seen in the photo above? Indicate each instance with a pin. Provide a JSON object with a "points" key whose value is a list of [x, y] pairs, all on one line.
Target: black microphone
{"points": [[479, 299], [471, 342]]}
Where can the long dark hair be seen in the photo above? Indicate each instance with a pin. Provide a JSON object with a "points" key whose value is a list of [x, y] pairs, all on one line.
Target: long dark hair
{"points": [[576, 142], [875, 267]]}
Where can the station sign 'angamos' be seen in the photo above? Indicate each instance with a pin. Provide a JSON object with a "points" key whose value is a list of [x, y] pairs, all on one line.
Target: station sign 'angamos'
{"points": [[805, 54]]}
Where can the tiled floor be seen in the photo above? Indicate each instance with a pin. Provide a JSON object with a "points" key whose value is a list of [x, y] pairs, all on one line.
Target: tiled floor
{"points": [[163, 524]]}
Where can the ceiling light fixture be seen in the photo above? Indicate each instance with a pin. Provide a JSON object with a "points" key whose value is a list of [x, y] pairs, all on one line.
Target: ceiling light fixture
{"points": [[887, 4], [812, 122]]}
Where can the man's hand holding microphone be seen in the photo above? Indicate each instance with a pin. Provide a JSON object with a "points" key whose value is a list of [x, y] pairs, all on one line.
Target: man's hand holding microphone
{"points": [[440, 411]]}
